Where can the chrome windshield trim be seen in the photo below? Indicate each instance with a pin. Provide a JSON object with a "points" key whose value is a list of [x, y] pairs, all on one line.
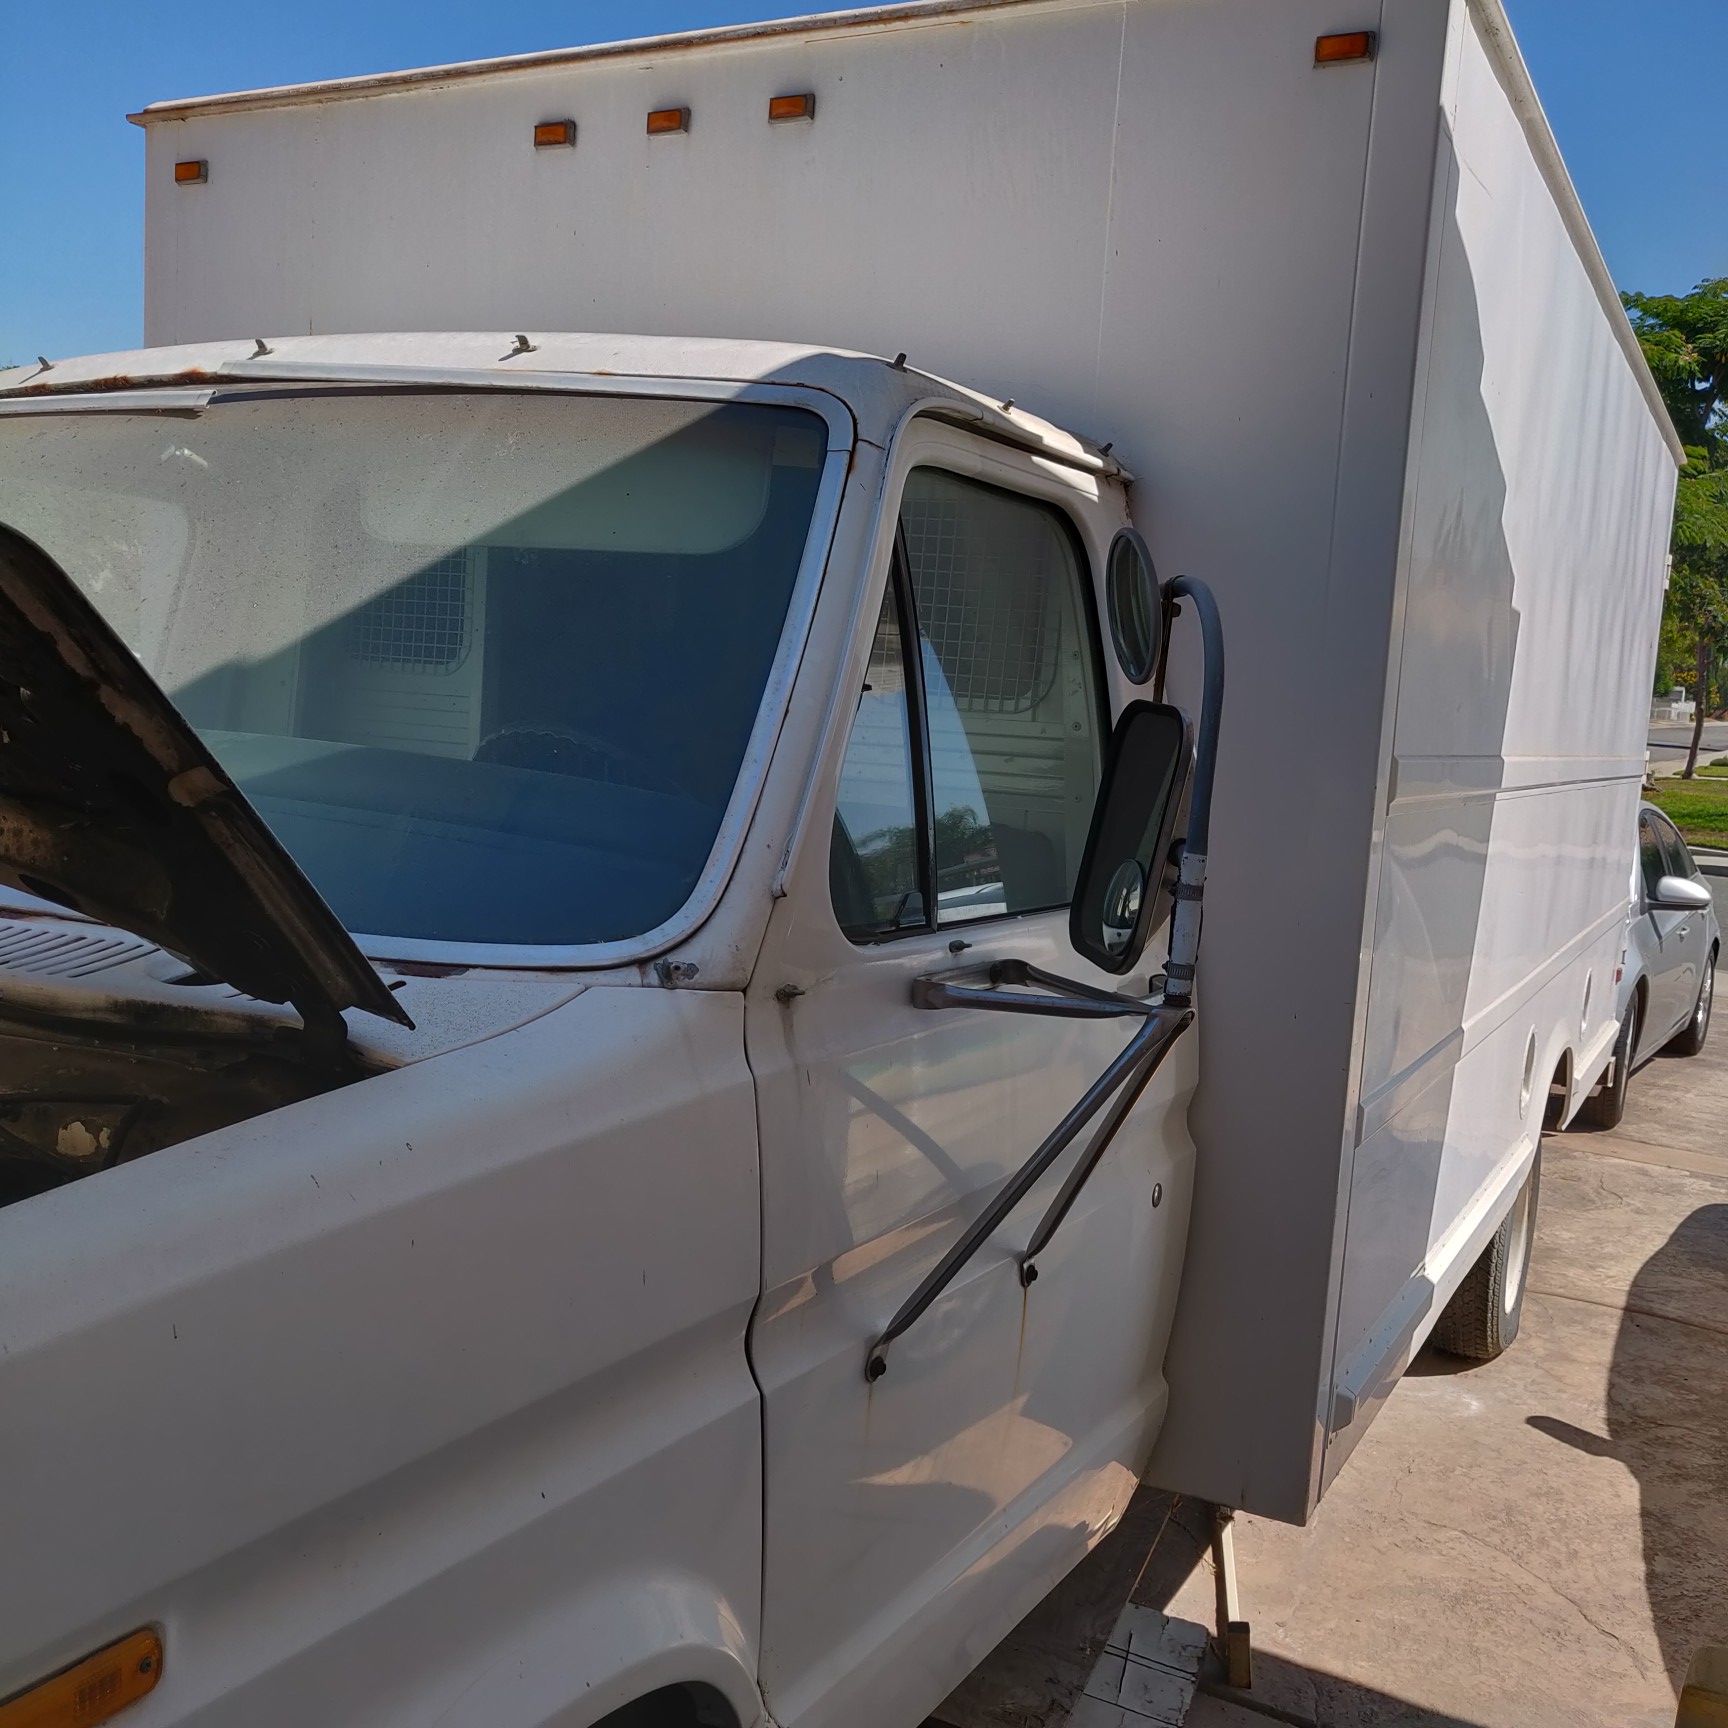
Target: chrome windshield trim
{"points": [[128, 401]]}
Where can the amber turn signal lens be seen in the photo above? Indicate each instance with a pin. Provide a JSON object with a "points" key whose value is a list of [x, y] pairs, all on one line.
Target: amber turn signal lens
{"points": [[800, 107], [1346, 46], [554, 134], [664, 120], [191, 173], [90, 1691]]}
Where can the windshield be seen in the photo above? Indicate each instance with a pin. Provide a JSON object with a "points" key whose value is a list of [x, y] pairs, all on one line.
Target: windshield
{"points": [[486, 664]]}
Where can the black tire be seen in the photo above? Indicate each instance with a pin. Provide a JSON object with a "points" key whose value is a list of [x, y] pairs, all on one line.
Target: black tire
{"points": [[1482, 1318], [1689, 1040], [1605, 1106]]}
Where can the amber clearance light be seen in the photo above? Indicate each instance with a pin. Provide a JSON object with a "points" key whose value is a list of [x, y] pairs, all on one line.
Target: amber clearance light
{"points": [[91, 1691], [1344, 47], [555, 135], [662, 121], [193, 173]]}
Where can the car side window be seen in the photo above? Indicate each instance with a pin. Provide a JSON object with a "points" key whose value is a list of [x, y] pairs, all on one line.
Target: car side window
{"points": [[1011, 693], [969, 777], [1674, 848], [1652, 864]]}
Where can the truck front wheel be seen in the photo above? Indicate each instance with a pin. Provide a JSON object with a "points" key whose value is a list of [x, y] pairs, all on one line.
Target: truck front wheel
{"points": [[1482, 1318]]}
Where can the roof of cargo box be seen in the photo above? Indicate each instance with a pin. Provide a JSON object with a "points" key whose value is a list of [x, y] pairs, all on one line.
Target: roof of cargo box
{"points": [[879, 392], [903, 12], [1490, 16]]}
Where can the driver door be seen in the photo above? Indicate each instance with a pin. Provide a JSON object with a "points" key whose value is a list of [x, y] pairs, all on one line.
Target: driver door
{"points": [[910, 1521]]}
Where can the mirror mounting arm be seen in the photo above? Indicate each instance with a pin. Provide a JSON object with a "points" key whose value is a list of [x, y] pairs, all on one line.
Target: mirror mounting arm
{"points": [[1062, 998], [1122, 1081], [1191, 878]]}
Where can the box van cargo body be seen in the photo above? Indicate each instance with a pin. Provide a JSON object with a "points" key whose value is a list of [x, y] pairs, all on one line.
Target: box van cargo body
{"points": [[542, 1334]]}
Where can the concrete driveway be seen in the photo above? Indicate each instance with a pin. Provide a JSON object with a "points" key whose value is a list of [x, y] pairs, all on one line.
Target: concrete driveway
{"points": [[1542, 1541]]}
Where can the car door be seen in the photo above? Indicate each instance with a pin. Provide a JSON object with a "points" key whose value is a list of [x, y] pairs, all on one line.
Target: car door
{"points": [[912, 1519], [1666, 935], [1690, 931]]}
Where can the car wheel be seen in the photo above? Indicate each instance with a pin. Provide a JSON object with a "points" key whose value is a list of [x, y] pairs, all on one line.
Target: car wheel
{"points": [[1482, 1318], [1605, 1106], [1689, 1040]]}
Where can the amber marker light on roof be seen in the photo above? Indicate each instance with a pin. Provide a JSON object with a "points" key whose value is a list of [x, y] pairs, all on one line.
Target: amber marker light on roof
{"points": [[90, 1691], [799, 107], [1344, 48], [191, 173], [664, 120], [555, 134]]}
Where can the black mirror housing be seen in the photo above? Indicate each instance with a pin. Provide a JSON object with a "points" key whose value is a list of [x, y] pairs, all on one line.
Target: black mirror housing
{"points": [[1126, 880]]}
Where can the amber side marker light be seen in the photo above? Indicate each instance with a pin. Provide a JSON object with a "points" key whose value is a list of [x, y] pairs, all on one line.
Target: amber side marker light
{"points": [[191, 173], [1344, 48], [91, 1691], [664, 120], [555, 135], [800, 107]]}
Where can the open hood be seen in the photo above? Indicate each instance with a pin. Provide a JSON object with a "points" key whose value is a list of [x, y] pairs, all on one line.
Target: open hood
{"points": [[111, 806]]}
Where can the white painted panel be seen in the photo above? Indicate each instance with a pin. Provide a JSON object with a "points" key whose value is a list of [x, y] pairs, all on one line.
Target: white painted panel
{"points": [[423, 1400], [1538, 515]]}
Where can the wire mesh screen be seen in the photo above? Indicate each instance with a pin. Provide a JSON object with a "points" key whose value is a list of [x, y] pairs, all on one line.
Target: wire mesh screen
{"points": [[987, 614], [420, 625]]}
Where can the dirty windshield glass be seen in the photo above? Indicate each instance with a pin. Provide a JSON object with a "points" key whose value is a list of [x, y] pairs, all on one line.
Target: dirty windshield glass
{"points": [[486, 665]]}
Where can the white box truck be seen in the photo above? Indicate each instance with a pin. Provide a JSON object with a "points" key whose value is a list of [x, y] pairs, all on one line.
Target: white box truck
{"points": [[590, 1128]]}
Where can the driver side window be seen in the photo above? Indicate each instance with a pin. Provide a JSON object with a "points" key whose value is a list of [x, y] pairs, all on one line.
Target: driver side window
{"points": [[970, 775]]}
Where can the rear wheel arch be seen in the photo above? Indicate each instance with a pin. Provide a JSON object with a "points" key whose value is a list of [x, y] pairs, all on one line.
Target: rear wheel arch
{"points": [[1559, 1105]]}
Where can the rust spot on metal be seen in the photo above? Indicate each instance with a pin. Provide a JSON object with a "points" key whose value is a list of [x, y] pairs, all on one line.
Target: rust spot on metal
{"points": [[111, 382]]}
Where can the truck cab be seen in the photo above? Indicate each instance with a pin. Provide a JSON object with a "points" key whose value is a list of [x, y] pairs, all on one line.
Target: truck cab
{"points": [[504, 1034]]}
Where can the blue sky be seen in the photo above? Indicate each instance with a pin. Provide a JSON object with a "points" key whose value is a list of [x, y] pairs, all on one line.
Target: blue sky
{"points": [[1646, 155]]}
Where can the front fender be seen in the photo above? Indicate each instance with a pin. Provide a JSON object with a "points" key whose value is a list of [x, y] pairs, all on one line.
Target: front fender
{"points": [[620, 1639]]}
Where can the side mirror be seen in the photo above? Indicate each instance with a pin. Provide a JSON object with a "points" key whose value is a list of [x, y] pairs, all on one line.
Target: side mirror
{"points": [[1676, 894], [1125, 883]]}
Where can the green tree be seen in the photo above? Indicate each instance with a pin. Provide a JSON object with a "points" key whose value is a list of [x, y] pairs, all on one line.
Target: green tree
{"points": [[1685, 340]]}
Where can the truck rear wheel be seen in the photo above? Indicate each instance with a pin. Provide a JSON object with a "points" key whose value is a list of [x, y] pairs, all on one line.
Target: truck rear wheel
{"points": [[1482, 1318]]}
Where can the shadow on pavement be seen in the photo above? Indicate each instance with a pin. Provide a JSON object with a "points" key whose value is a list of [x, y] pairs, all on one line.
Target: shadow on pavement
{"points": [[1038, 1674], [1667, 1410]]}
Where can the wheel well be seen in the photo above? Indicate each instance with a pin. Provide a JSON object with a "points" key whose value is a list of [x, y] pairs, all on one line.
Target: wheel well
{"points": [[1559, 1092], [686, 1706]]}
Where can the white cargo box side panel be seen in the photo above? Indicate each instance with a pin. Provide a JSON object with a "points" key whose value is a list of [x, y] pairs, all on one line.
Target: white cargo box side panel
{"points": [[1540, 495]]}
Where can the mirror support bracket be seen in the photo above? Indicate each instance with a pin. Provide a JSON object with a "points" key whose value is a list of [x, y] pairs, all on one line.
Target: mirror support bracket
{"points": [[1037, 992], [1119, 1086]]}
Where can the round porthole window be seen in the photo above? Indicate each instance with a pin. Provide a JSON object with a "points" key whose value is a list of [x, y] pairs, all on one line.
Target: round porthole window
{"points": [[1136, 611]]}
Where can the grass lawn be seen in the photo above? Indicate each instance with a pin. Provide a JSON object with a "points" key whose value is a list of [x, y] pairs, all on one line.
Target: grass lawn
{"points": [[1698, 808]]}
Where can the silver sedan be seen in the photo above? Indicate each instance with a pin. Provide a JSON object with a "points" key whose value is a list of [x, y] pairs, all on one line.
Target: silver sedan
{"points": [[1669, 980]]}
